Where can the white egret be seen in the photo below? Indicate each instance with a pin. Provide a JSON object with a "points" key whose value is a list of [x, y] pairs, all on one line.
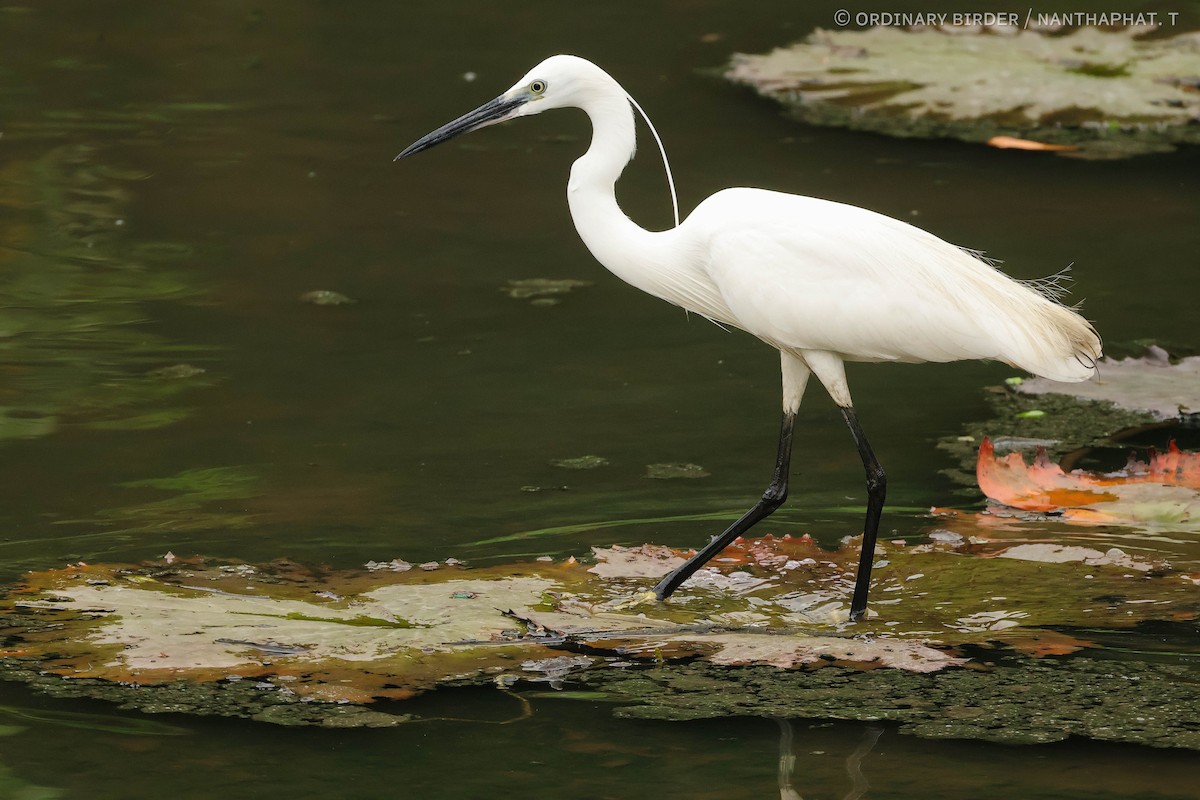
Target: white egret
{"points": [[820, 281]]}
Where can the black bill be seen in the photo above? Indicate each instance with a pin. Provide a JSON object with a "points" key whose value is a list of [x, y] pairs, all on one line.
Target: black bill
{"points": [[489, 113]]}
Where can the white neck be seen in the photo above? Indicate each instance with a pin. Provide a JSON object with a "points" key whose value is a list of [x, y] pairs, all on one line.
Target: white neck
{"points": [[662, 264], [632, 253]]}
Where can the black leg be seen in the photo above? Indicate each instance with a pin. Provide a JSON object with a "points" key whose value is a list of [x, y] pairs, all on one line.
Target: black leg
{"points": [[772, 499], [876, 491]]}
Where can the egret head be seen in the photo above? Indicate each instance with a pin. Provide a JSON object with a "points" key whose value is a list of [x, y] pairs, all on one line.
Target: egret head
{"points": [[557, 82]]}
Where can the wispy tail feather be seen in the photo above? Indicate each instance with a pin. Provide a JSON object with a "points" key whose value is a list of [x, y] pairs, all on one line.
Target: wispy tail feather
{"points": [[1058, 344]]}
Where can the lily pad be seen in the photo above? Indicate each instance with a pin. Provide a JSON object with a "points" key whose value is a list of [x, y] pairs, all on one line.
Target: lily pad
{"points": [[1108, 91]]}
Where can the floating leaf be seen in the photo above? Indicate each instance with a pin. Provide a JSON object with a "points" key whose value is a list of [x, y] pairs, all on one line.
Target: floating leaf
{"points": [[1104, 93], [1148, 384], [1165, 489], [1013, 143], [745, 649], [294, 635]]}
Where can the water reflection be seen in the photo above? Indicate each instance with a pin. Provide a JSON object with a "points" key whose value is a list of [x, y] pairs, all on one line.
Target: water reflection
{"points": [[75, 348], [854, 762]]}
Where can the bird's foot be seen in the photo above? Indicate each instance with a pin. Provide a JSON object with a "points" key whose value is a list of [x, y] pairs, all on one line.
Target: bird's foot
{"points": [[861, 614], [639, 599]]}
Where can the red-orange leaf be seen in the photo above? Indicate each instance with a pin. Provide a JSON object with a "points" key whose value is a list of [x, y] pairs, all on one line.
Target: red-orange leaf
{"points": [[1040, 486], [1163, 488]]}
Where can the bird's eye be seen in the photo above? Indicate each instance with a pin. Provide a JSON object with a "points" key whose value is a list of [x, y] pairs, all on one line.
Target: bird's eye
{"points": [[537, 87]]}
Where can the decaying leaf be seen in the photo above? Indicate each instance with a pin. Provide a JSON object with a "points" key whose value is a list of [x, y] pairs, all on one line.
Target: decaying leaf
{"points": [[1051, 643], [1163, 489], [646, 561], [293, 634], [739, 649], [1107, 92], [1061, 554]]}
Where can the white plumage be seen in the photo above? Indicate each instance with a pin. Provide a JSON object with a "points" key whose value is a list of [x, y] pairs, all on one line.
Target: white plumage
{"points": [[822, 282]]}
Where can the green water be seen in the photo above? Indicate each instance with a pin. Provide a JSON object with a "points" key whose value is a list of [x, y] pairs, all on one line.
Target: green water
{"points": [[174, 177]]}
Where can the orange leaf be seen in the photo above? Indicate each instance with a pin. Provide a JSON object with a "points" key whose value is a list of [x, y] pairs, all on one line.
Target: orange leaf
{"points": [[1012, 143], [1049, 643], [1041, 486], [1163, 488]]}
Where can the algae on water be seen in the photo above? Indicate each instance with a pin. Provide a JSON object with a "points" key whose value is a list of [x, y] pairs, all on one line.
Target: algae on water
{"points": [[580, 462], [1019, 702]]}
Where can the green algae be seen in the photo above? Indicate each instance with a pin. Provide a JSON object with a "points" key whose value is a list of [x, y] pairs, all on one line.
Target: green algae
{"points": [[542, 291], [355, 621], [196, 499], [326, 716], [1030, 702], [246, 699], [197, 485], [1065, 425], [1101, 70], [1020, 701], [14, 786], [580, 462], [104, 723], [674, 471], [582, 527]]}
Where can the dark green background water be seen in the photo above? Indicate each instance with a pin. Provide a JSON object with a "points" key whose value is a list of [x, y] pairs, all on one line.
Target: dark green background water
{"points": [[173, 176]]}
